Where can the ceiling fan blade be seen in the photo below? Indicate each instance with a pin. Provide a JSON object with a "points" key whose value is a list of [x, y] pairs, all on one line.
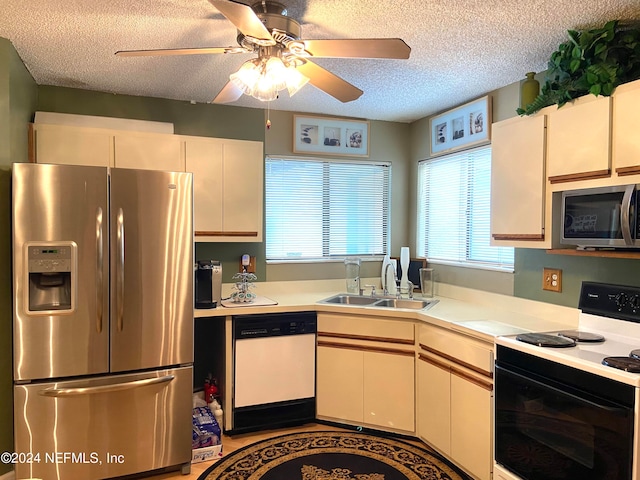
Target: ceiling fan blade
{"points": [[329, 83], [359, 48], [244, 18], [175, 51], [229, 93]]}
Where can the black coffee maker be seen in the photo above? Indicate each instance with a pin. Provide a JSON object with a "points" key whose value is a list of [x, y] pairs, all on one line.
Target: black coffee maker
{"points": [[208, 283]]}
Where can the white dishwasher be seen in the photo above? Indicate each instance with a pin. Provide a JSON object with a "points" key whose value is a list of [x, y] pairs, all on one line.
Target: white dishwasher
{"points": [[274, 366]]}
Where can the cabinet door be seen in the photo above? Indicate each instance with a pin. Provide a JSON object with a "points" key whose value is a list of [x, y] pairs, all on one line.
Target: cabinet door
{"points": [[339, 383], [626, 141], [517, 179], [152, 151], [243, 186], [434, 404], [63, 145], [471, 420], [579, 140], [203, 158], [389, 395]]}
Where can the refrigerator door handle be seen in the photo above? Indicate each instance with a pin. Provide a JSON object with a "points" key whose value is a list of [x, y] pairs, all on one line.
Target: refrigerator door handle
{"points": [[99, 271], [117, 387], [120, 271]]}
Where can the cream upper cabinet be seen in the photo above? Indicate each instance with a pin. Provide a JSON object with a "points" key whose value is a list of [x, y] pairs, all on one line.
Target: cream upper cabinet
{"points": [[579, 140], [148, 151], [626, 139], [228, 178], [73, 145], [518, 182], [66, 145]]}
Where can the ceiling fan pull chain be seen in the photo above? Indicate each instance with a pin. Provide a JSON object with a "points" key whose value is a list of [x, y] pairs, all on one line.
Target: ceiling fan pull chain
{"points": [[268, 115]]}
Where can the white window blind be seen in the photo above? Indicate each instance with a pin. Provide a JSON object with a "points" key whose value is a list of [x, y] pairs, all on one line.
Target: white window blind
{"points": [[319, 209], [454, 193]]}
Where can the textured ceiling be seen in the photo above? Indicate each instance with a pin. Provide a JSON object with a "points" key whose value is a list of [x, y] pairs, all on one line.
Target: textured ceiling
{"points": [[461, 49]]}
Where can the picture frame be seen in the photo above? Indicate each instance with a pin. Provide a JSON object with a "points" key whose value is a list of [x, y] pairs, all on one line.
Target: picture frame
{"points": [[462, 127], [330, 136]]}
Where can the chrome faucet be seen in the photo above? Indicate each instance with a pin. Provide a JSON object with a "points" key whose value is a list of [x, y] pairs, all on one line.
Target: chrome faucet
{"points": [[373, 290]]}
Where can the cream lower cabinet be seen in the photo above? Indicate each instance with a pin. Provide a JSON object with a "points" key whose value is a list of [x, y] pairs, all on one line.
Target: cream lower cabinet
{"points": [[455, 390], [366, 372], [228, 188]]}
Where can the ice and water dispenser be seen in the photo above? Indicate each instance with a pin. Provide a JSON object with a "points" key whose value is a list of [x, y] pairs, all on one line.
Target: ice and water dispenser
{"points": [[52, 275]]}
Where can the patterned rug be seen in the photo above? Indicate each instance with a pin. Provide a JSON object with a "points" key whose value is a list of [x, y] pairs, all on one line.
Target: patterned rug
{"points": [[332, 456]]}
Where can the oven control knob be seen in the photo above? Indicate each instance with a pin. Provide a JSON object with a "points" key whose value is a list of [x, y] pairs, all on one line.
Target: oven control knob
{"points": [[635, 302], [621, 300]]}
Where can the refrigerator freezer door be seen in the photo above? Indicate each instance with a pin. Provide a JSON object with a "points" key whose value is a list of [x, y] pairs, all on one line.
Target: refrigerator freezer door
{"points": [[61, 205], [104, 426], [151, 269]]}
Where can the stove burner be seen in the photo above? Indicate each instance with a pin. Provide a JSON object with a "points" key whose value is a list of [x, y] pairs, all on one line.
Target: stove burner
{"points": [[635, 354], [627, 364], [546, 340], [579, 336]]}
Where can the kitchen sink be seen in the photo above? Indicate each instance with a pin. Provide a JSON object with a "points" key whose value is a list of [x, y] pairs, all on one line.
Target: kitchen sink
{"points": [[382, 302], [403, 303], [350, 300]]}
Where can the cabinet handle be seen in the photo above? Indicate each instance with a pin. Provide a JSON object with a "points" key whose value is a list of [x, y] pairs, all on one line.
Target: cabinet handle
{"points": [[575, 177], [470, 378], [99, 271], [621, 171], [225, 234]]}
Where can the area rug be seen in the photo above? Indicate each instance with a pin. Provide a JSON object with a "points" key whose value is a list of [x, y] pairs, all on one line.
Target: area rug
{"points": [[332, 456]]}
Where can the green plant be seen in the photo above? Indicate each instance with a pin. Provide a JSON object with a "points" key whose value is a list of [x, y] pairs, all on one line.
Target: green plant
{"points": [[592, 61]]}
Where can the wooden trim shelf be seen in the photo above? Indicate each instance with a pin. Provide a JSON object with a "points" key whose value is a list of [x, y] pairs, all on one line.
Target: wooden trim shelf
{"points": [[519, 236], [596, 253]]}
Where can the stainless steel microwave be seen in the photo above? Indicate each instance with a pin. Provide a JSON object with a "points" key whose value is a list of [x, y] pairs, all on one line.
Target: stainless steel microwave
{"points": [[603, 217]]}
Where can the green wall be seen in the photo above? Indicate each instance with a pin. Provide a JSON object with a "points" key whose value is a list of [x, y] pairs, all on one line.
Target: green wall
{"points": [[18, 95]]}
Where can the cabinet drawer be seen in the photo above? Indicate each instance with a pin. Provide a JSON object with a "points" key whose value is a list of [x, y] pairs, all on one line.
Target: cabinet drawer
{"points": [[472, 353], [364, 327]]}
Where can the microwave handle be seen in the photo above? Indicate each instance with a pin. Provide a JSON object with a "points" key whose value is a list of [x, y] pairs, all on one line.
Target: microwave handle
{"points": [[625, 214]]}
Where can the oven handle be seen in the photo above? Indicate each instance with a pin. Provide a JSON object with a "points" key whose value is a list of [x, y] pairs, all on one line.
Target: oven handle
{"points": [[610, 407]]}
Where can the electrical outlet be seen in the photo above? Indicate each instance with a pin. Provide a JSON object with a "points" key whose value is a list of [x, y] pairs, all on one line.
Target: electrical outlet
{"points": [[552, 279], [251, 268]]}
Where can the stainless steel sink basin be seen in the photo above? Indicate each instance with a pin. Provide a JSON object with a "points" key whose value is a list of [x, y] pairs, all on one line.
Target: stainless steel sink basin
{"points": [[343, 299], [383, 302], [402, 303]]}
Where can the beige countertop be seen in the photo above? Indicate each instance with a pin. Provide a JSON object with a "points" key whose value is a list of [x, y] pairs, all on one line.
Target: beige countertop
{"points": [[476, 313]]}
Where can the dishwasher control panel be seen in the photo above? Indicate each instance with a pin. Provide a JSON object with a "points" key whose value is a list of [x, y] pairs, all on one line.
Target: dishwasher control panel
{"points": [[274, 325]]}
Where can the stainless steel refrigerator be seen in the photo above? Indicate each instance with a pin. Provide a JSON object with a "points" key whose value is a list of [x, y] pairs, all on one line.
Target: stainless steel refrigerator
{"points": [[102, 320]]}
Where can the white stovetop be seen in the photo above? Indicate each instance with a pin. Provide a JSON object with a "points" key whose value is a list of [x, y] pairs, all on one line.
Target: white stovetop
{"points": [[620, 339]]}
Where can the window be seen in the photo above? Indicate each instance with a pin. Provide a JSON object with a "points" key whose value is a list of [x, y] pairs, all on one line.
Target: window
{"points": [[317, 209], [454, 193]]}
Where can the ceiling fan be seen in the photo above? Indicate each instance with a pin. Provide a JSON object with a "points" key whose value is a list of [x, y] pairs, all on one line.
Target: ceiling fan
{"points": [[284, 60]]}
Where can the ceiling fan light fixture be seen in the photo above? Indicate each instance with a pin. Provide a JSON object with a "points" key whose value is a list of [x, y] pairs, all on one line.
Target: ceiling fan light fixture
{"points": [[263, 78], [295, 80], [246, 78]]}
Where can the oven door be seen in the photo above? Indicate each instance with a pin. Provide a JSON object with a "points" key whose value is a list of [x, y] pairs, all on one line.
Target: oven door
{"points": [[546, 429]]}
